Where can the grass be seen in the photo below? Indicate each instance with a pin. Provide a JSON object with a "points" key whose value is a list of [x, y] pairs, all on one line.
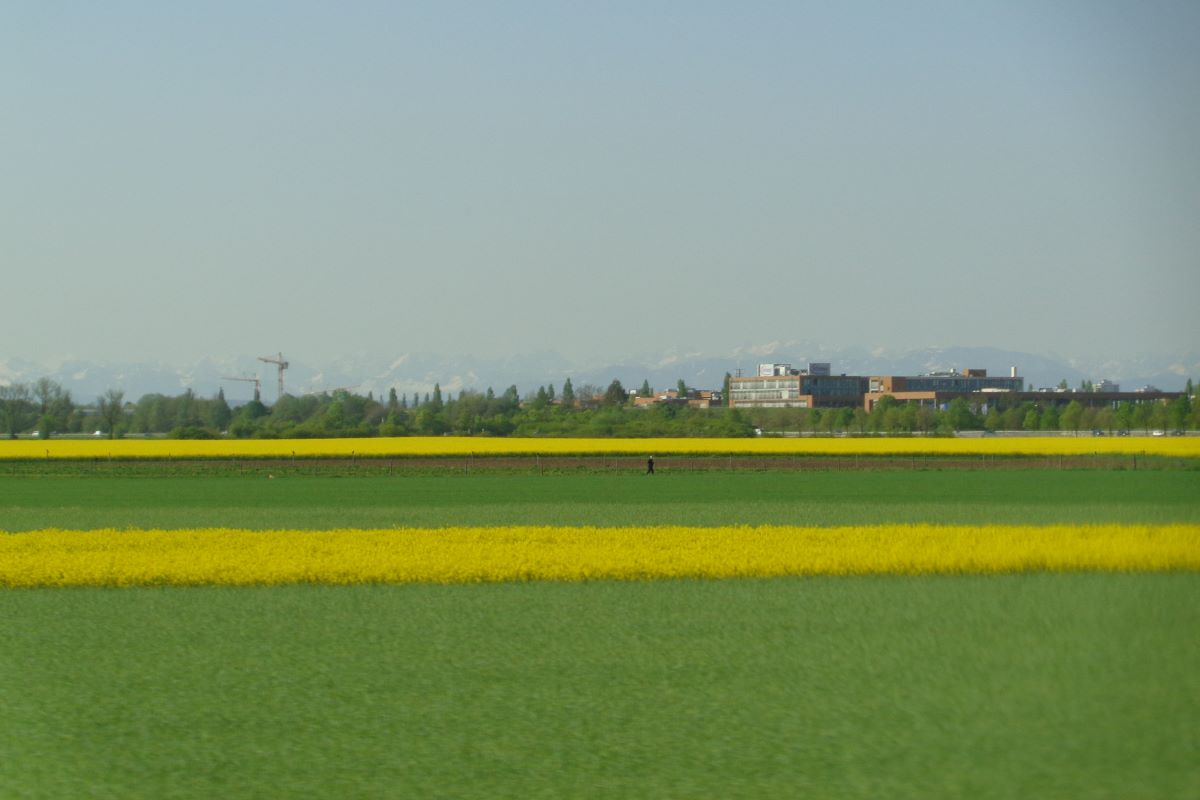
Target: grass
{"points": [[1071, 685], [706, 498], [1036, 685]]}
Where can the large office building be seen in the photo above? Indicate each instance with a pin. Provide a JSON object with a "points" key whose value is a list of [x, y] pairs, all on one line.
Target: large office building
{"points": [[938, 388], [781, 386]]}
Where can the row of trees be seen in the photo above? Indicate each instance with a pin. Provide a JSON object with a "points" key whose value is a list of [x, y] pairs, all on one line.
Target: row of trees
{"points": [[591, 411], [543, 412], [890, 416], [48, 409]]}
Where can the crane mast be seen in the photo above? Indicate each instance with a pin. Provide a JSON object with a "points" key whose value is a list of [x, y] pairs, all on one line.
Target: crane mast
{"points": [[279, 362]]}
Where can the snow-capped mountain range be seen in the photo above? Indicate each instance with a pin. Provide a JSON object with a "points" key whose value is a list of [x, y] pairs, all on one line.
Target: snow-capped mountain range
{"points": [[412, 373]]}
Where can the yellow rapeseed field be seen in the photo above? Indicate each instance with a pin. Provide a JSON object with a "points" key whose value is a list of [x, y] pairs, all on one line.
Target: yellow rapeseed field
{"points": [[222, 556], [1182, 446]]}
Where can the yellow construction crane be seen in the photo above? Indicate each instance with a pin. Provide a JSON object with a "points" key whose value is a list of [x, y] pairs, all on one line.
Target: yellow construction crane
{"points": [[279, 362], [257, 385]]}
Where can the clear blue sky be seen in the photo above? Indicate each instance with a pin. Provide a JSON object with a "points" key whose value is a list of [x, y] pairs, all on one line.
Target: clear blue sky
{"points": [[180, 180]]}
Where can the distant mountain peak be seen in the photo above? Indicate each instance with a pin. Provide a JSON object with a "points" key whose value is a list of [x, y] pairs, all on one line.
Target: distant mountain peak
{"points": [[417, 373]]}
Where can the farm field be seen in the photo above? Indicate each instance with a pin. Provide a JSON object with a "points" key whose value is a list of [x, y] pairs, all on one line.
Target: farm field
{"points": [[1080, 684], [239, 557], [417, 446], [705, 499]]}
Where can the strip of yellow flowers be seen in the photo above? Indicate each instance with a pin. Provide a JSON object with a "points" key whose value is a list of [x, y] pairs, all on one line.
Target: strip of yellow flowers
{"points": [[399, 447], [222, 556]]}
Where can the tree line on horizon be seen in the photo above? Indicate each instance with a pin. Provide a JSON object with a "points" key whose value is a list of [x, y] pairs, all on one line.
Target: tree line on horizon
{"points": [[46, 408], [998, 412]]}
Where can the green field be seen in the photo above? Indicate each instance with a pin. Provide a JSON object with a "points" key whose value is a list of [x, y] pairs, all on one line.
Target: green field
{"points": [[1012, 686], [702, 498], [1064, 685]]}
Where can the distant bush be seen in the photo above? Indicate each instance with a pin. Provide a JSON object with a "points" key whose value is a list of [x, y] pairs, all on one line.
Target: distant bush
{"points": [[193, 432]]}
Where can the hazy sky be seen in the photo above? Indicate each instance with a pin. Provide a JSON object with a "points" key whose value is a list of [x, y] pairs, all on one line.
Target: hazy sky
{"points": [[601, 179]]}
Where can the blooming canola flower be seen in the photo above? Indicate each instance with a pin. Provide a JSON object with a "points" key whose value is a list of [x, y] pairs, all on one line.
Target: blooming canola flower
{"points": [[460, 446], [224, 556]]}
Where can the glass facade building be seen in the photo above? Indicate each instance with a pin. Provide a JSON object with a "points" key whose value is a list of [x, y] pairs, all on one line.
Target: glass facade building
{"points": [[779, 386]]}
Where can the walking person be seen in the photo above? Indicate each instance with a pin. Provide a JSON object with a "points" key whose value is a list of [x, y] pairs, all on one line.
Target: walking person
{"points": [[650, 465]]}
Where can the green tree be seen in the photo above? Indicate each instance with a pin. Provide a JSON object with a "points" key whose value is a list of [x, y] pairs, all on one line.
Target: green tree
{"points": [[219, 413], [1072, 416], [1159, 415], [16, 408], [645, 391], [568, 394], [725, 389], [960, 416], [681, 388], [334, 419], [247, 419], [1031, 421], [879, 411], [54, 406], [615, 394], [186, 413], [111, 407], [926, 419], [1124, 416], [1142, 414], [1014, 417], [1178, 412], [150, 414], [394, 424]]}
